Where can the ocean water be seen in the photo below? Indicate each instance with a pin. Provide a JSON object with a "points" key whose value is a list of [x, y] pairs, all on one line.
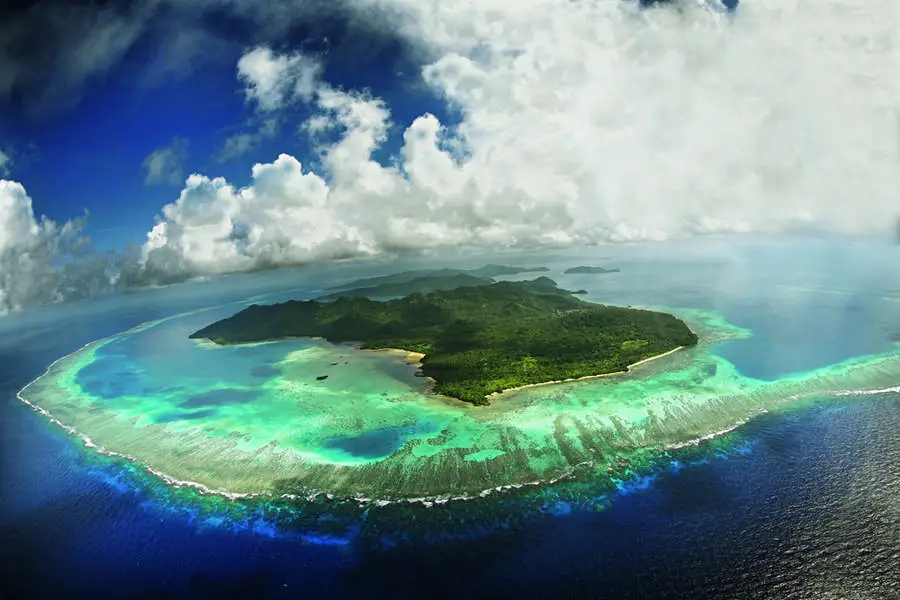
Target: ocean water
{"points": [[800, 502]]}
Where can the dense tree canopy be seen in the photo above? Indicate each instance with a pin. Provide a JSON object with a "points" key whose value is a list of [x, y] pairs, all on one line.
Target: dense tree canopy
{"points": [[476, 340]]}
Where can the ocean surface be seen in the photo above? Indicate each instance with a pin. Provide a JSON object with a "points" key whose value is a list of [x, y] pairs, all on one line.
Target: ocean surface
{"points": [[801, 503]]}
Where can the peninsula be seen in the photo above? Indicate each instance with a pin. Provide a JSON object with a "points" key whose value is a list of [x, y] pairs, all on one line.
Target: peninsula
{"points": [[413, 282], [419, 285], [476, 340], [486, 273], [582, 270]]}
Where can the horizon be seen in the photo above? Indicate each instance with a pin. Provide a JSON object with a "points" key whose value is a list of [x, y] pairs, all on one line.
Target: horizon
{"points": [[449, 299], [182, 140]]}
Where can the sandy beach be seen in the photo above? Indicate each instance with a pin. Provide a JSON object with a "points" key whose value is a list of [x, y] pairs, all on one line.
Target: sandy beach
{"points": [[413, 358], [586, 377]]}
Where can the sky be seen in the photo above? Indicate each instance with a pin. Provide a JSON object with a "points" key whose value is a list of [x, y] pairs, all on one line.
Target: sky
{"points": [[150, 141]]}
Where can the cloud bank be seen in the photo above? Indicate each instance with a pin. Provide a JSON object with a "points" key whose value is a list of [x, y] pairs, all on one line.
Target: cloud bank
{"points": [[582, 122], [51, 51], [42, 261], [29, 251]]}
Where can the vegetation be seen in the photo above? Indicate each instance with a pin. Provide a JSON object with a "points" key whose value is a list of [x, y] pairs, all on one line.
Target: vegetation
{"points": [[479, 339], [588, 270], [487, 272], [419, 285]]}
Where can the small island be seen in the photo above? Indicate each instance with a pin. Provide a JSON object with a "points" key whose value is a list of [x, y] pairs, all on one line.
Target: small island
{"points": [[486, 274], [415, 282], [418, 285], [475, 340], [582, 270]]}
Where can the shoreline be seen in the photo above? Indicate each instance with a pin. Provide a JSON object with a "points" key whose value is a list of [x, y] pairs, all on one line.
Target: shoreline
{"points": [[427, 500], [415, 359], [586, 377], [408, 356]]}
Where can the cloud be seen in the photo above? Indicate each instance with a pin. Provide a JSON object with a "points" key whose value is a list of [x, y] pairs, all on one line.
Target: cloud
{"points": [[30, 251], [287, 215], [51, 51], [586, 122], [240, 144], [165, 165], [237, 145], [273, 81], [663, 123], [5, 164], [282, 218], [580, 123], [44, 262]]}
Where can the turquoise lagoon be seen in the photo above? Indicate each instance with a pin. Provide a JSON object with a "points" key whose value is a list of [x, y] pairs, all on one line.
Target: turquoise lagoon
{"points": [[257, 420]]}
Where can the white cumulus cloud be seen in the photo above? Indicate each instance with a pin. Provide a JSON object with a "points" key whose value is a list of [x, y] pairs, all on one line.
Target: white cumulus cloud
{"points": [[582, 122], [273, 80], [29, 249], [283, 217]]}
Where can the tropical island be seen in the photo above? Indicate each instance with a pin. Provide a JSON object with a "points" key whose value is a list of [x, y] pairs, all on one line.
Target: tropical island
{"points": [[475, 340], [425, 281], [295, 419], [583, 270], [418, 285], [486, 274]]}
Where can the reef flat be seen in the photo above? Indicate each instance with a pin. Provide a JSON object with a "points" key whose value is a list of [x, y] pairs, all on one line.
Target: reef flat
{"points": [[476, 340], [254, 419]]}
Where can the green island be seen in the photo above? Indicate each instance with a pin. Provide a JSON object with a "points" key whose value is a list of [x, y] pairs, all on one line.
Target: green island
{"points": [[419, 285], [487, 273], [583, 270], [425, 281], [259, 421], [475, 340]]}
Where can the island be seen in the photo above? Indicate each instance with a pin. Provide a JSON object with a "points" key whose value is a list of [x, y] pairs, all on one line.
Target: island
{"points": [[486, 273], [582, 270], [475, 341], [421, 285]]}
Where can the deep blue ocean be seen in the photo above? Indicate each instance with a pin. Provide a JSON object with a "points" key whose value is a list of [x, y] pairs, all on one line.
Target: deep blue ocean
{"points": [[803, 503]]}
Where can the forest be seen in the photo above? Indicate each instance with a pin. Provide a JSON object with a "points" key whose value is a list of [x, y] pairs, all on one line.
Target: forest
{"points": [[487, 273], [477, 340]]}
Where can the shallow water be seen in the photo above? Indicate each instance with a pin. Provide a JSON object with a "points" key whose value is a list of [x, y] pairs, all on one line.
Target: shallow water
{"points": [[800, 502], [307, 416]]}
